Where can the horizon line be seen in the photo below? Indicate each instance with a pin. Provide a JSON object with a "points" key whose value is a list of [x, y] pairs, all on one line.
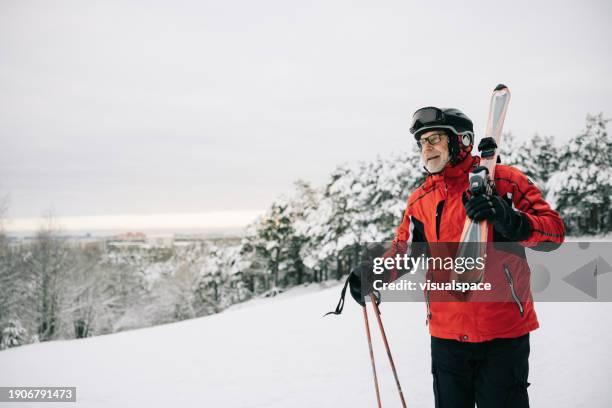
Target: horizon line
{"points": [[199, 220]]}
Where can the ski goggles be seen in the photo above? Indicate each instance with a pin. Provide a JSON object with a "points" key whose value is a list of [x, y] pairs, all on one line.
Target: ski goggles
{"points": [[426, 117]]}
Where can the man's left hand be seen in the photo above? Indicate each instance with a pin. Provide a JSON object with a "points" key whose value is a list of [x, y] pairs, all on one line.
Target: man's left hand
{"points": [[512, 224]]}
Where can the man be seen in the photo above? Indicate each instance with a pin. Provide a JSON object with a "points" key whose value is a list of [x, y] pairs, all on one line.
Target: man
{"points": [[479, 349]]}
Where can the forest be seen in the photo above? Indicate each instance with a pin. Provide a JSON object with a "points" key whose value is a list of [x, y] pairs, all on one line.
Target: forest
{"points": [[50, 289]]}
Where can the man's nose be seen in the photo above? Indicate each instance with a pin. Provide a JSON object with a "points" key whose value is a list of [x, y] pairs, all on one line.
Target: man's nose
{"points": [[427, 146]]}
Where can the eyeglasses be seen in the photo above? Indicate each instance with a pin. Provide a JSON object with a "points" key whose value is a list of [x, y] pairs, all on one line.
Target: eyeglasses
{"points": [[431, 139]]}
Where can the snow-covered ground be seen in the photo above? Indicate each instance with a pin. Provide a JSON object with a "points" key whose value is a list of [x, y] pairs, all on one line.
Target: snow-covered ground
{"points": [[280, 352]]}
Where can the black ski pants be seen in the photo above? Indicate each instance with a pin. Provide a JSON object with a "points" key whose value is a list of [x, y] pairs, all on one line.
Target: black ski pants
{"points": [[491, 374]]}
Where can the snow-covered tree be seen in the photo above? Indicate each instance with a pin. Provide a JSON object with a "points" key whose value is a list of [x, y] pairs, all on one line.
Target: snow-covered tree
{"points": [[387, 183], [7, 273], [358, 205], [536, 157], [301, 203], [45, 262], [582, 188], [128, 288], [510, 151], [272, 238], [544, 163], [87, 301], [17, 305], [219, 280], [12, 334], [274, 244], [339, 207]]}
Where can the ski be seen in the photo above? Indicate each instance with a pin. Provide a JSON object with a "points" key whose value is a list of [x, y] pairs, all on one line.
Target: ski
{"points": [[473, 241]]}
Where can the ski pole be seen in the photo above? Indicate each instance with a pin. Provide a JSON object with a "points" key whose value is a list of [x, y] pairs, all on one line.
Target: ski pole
{"points": [[367, 328], [384, 336]]}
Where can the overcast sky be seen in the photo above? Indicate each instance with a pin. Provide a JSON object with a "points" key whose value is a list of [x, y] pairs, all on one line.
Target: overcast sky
{"points": [[146, 107]]}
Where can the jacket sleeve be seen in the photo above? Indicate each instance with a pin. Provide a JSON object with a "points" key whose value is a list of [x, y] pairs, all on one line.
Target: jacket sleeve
{"points": [[409, 239], [547, 230]]}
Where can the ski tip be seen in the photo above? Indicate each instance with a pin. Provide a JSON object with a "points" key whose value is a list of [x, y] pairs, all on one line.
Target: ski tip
{"points": [[500, 87]]}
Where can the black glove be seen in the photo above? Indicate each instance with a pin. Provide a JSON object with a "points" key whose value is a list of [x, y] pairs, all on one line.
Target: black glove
{"points": [[353, 282], [513, 225], [355, 285]]}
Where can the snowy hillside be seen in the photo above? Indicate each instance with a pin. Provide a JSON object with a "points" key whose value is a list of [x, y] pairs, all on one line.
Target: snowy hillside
{"points": [[280, 352]]}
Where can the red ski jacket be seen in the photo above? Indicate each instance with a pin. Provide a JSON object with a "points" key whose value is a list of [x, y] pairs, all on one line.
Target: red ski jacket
{"points": [[435, 213]]}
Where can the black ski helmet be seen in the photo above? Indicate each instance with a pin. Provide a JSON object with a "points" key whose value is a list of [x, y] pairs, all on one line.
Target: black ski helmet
{"points": [[460, 142]]}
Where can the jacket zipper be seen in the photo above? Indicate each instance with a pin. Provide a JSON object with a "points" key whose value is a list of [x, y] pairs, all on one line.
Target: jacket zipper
{"points": [[439, 210], [511, 284]]}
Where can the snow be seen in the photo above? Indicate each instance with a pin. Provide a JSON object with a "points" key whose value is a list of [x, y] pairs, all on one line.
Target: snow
{"points": [[589, 238], [281, 352]]}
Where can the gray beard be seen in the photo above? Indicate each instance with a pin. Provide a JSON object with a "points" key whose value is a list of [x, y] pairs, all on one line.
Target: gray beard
{"points": [[438, 168]]}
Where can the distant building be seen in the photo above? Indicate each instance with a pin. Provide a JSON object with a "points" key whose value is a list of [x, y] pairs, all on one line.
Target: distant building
{"points": [[128, 240], [159, 241], [132, 237], [124, 244], [92, 243]]}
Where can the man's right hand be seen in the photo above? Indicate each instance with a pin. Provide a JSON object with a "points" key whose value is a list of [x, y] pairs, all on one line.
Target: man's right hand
{"points": [[355, 284]]}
